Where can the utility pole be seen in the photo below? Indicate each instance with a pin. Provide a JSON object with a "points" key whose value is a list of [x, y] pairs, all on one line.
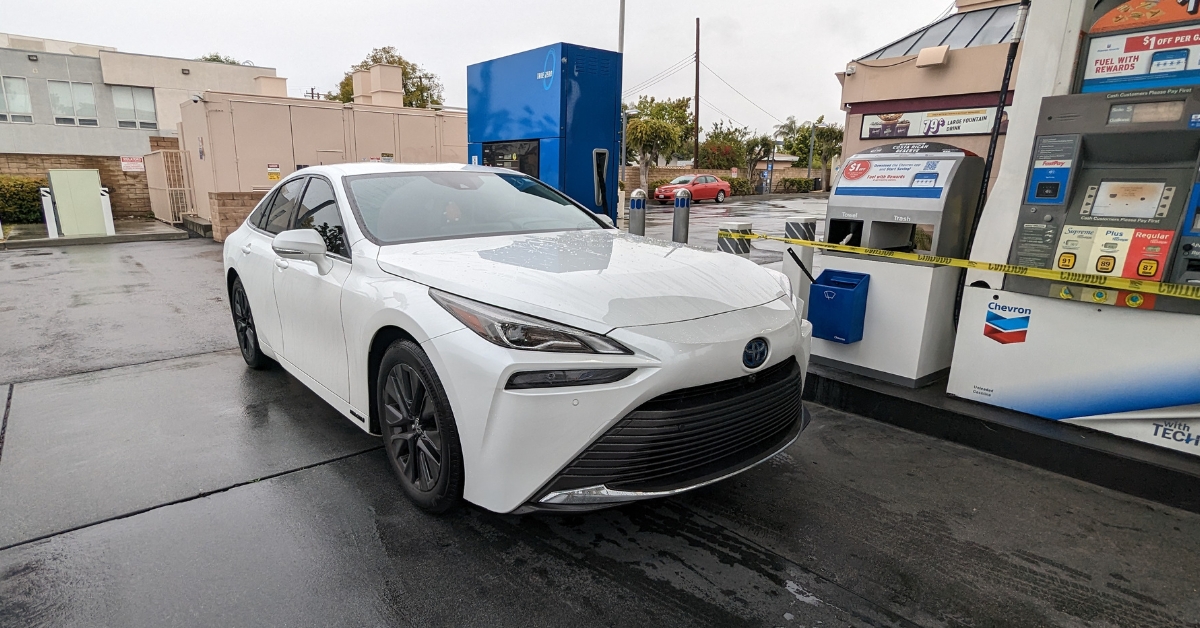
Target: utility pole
{"points": [[696, 143], [621, 30], [624, 117], [312, 93]]}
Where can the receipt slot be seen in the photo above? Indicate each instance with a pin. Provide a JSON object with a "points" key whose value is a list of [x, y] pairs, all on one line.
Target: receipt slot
{"points": [[1112, 191], [916, 197]]}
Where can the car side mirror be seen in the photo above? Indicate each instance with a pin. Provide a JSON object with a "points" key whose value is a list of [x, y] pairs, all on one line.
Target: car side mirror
{"points": [[606, 219], [303, 244]]}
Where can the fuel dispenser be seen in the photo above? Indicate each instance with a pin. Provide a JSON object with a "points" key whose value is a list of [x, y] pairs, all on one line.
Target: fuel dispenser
{"points": [[553, 113], [1111, 190], [915, 197]]}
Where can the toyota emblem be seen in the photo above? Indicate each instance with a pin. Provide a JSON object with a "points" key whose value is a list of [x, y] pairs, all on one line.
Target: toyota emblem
{"points": [[755, 353]]}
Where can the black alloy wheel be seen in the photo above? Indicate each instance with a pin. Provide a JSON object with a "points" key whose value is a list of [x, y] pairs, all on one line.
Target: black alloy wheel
{"points": [[243, 324], [419, 434]]}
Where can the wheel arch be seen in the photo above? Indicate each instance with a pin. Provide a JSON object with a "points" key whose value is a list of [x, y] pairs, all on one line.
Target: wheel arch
{"points": [[380, 341]]}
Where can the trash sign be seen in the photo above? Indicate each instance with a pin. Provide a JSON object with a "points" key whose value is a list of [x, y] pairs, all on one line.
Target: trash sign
{"points": [[273, 173]]}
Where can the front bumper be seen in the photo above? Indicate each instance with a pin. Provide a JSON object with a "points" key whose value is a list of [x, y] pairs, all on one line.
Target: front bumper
{"points": [[516, 442], [603, 496]]}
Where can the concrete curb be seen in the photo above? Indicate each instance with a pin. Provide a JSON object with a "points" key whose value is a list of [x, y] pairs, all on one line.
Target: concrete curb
{"points": [[1120, 464], [12, 245]]}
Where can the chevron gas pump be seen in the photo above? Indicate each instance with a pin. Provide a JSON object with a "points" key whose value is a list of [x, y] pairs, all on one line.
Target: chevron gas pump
{"points": [[1111, 190]]}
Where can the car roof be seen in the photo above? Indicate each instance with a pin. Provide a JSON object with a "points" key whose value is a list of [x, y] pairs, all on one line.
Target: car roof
{"points": [[375, 167]]}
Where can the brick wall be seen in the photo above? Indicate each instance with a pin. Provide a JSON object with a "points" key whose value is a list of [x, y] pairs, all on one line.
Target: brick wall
{"points": [[229, 211], [164, 143], [127, 190]]}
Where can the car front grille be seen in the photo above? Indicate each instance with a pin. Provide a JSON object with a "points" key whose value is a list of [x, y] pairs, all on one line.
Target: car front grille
{"points": [[691, 435]]}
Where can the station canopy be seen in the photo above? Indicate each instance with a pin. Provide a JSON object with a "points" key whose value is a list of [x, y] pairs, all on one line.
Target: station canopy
{"points": [[961, 30]]}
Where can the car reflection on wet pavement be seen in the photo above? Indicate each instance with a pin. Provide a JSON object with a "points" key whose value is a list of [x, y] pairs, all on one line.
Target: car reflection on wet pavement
{"points": [[147, 478]]}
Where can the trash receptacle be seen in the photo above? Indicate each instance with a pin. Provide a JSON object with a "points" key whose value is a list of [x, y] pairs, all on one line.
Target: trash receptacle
{"points": [[837, 305]]}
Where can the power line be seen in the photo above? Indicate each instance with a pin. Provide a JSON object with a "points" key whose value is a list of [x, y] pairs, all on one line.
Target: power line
{"points": [[713, 72], [718, 110], [659, 77]]}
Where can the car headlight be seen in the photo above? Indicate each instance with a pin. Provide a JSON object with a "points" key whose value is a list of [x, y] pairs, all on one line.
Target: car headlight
{"points": [[513, 330]]}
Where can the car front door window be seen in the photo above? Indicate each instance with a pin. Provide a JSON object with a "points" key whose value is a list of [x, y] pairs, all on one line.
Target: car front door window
{"points": [[278, 216], [319, 211]]}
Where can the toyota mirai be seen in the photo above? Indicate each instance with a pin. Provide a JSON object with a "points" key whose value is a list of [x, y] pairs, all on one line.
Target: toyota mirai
{"points": [[512, 348]]}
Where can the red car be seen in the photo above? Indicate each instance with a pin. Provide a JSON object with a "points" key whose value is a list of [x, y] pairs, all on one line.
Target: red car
{"points": [[702, 186]]}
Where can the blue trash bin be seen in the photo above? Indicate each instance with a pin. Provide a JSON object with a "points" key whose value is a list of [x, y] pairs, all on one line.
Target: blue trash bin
{"points": [[837, 305]]}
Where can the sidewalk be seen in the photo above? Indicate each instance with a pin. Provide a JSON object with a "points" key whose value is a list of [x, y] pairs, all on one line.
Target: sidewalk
{"points": [[130, 230]]}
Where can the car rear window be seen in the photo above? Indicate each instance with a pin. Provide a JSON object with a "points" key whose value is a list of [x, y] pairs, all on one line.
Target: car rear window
{"points": [[410, 206]]}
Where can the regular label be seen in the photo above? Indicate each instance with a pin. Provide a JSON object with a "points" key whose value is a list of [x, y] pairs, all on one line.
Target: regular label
{"points": [[1148, 254]]}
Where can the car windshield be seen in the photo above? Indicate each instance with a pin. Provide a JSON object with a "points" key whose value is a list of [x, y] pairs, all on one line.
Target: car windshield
{"points": [[678, 180], [408, 206]]}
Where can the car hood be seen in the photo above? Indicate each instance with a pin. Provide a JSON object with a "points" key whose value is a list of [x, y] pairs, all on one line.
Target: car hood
{"points": [[597, 279]]}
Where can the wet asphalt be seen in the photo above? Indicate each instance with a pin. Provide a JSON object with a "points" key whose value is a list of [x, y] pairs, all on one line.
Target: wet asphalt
{"points": [[147, 478]]}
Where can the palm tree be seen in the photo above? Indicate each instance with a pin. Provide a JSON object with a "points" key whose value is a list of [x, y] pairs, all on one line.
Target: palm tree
{"points": [[788, 128]]}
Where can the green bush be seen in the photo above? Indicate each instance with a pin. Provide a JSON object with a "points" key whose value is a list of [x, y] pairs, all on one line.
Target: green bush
{"points": [[657, 183], [740, 187], [795, 185], [20, 201]]}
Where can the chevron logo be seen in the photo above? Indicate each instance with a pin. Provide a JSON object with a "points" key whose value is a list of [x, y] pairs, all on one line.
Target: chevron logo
{"points": [[1006, 330]]}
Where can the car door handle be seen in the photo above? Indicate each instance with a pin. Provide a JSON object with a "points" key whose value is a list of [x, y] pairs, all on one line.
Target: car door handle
{"points": [[246, 249], [281, 263]]}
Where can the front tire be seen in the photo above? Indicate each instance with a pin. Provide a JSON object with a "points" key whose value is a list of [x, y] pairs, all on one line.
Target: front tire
{"points": [[720, 196], [419, 433], [243, 324]]}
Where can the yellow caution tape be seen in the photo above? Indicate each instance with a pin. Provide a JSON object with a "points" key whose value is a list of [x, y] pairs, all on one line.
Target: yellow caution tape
{"points": [[1116, 283]]}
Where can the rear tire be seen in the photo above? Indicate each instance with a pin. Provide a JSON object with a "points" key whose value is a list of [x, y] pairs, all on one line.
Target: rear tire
{"points": [[419, 433], [720, 196], [243, 324]]}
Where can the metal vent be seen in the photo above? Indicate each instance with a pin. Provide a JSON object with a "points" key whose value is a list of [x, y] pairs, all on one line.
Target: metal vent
{"points": [[587, 64]]}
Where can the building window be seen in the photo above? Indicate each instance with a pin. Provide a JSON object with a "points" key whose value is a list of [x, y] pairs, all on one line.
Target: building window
{"points": [[134, 107], [72, 103], [14, 100]]}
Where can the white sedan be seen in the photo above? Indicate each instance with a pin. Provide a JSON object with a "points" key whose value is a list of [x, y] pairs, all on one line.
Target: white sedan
{"points": [[512, 348]]}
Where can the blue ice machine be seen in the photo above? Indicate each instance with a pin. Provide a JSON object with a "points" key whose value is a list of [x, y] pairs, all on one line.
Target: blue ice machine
{"points": [[553, 113], [837, 305]]}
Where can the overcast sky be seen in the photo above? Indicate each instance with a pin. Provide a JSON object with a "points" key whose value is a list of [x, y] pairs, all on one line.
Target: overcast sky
{"points": [[781, 54]]}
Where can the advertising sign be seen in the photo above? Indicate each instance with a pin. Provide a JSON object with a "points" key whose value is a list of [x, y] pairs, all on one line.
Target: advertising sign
{"points": [[913, 178], [133, 164], [977, 121], [1142, 13], [1160, 58]]}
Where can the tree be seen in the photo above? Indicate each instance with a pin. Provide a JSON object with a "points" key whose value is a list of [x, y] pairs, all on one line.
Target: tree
{"points": [[216, 57], [787, 128], [650, 138], [825, 146], [724, 146], [758, 148], [660, 129], [422, 88]]}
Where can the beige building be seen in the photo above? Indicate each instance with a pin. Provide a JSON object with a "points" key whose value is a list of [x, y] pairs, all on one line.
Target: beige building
{"points": [[246, 143], [940, 83], [73, 105]]}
